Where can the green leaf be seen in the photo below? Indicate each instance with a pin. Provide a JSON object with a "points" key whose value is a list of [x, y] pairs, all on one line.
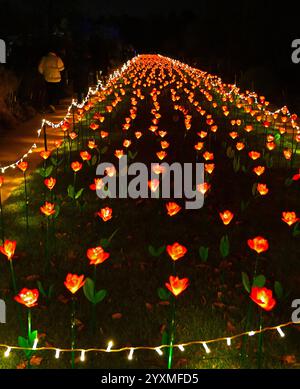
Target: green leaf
{"points": [[224, 246], [94, 160], [50, 291], [278, 289], [104, 243], [203, 253], [246, 282], [57, 211], [131, 155], [230, 152], [41, 289], [259, 281], [288, 182], [165, 339], [99, 296], [244, 169], [23, 342], [71, 191], [163, 294], [104, 150], [54, 161], [79, 193], [254, 189], [156, 252], [89, 289], [296, 229], [236, 164], [32, 337], [48, 171]]}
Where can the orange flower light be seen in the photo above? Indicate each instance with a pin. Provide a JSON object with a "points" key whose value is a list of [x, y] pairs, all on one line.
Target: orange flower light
{"points": [[203, 188], [92, 145], [258, 244], [8, 248], [208, 156], [23, 166], [85, 155], [28, 297], [254, 155], [119, 153], [289, 218], [58, 143], [176, 251], [259, 170], [173, 208], [161, 154], [98, 184], [226, 217], [76, 166], [138, 134], [97, 255], [263, 297], [126, 143], [209, 167], [240, 146], [177, 285], [74, 282], [48, 209], [199, 146], [104, 134], [1, 181], [50, 182], [262, 189], [105, 214], [287, 154], [45, 154]]}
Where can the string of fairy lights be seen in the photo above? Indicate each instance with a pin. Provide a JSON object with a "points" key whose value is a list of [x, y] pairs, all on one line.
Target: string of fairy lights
{"points": [[228, 340], [74, 104]]}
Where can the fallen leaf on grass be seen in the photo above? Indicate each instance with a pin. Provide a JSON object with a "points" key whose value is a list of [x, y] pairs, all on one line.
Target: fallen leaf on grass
{"points": [[218, 304], [181, 362], [288, 359], [230, 327], [116, 315], [164, 303], [149, 306], [35, 361], [33, 277], [22, 365], [62, 299]]}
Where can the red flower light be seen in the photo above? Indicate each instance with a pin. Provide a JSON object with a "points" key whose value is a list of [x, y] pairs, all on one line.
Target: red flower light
{"points": [[97, 255], [173, 208], [74, 282], [8, 248], [176, 285], [176, 251], [289, 218], [258, 244], [76, 166], [48, 209], [263, 297], [105, 214], [23, 166], [85, 155], [50, 182], [226, 217], [28, 297]]}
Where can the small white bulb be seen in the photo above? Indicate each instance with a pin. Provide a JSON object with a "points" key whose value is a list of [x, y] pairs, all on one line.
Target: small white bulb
{"points": [[206, 348], [158, 350], [57, 352], [181, 348], [82, 356], [281, 333], [228, 340], [7, 352], [109, 346], [130, 355]]}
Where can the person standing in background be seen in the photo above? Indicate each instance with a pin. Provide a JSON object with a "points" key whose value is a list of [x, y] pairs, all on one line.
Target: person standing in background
{"points": [[51, 67]]}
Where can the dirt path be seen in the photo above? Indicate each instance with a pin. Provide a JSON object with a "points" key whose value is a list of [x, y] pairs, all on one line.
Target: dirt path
{"points": [[14, 144]]}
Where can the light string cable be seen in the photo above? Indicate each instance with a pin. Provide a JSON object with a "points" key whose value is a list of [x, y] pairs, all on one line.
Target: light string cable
{"points": [[181, 346]]}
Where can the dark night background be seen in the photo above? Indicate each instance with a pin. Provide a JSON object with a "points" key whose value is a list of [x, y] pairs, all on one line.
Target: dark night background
{"points": [[249, 42]]}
